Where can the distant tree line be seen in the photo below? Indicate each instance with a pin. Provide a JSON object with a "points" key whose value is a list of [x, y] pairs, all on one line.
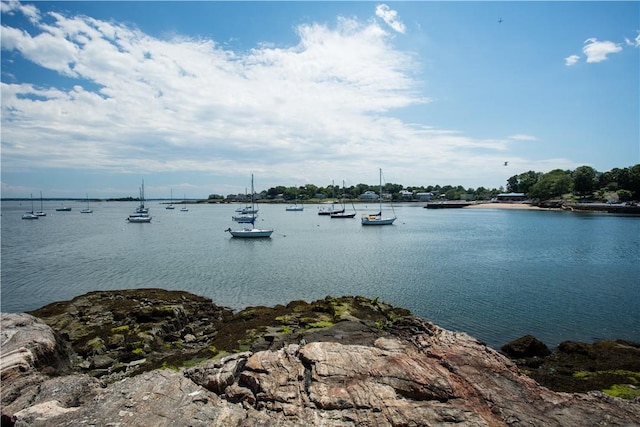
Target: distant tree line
{"points": [[584, 182]]}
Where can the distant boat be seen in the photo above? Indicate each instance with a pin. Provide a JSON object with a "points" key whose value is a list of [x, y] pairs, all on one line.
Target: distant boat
{"points": [[41, 211], [139, 218], [332, 210], [141, 215], [170, 205], [30, 215], [87, 209], [63, 209], [247, 209], [295, 207], [344, 214], [184, 207], [252, 232], [378, 218]]}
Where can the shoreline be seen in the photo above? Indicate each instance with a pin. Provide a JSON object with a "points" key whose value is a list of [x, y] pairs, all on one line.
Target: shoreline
{"points": [[499, 205]]}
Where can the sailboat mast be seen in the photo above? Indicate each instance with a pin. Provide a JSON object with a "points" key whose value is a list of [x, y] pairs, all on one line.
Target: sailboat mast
{"points": [[380, 198]]}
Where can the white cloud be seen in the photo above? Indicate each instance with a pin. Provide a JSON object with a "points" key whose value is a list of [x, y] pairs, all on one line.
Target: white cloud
{"points": [[390, 17], [635, 42], [145, 105], [523, 137], [597, 51], [570, 60]]}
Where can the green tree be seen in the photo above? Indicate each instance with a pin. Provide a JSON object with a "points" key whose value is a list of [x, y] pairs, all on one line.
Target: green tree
{"points": [[551, 185], [584, 180]]}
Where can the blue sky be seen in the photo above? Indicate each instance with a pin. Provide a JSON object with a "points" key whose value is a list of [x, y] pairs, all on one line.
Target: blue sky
{"points": [[196, 96]]}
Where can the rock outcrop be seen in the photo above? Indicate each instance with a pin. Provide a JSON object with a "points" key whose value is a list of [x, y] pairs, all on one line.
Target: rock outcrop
{"points": [[340, 362]]}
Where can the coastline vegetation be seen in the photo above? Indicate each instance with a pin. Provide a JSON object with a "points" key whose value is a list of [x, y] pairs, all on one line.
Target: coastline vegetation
{"points": [[583, 183]]}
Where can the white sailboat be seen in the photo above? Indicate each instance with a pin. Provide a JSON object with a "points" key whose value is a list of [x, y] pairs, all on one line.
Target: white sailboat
{"points": [[295, 207], [41, 212], [170, 205], [184, 207], [253, 231], [87, 209], [30, 215], [378, 218], [141, 215]]}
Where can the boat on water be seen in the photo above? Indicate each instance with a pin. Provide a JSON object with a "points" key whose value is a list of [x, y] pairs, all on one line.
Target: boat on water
{"points": [[41, 212], [344, 213], [378, 218], [252, 232], [87, 209], [332, 210], [63, 209], [295, 207], [245, 218], [30, 215], [184, 207], [170, 205], [139, 218], [141, 214]]}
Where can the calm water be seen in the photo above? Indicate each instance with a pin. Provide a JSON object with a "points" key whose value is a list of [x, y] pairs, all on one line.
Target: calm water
{"points": [[495, 274]]}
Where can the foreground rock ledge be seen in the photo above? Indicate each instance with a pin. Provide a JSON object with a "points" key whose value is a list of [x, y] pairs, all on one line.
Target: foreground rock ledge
{"points": [[349, 371]]}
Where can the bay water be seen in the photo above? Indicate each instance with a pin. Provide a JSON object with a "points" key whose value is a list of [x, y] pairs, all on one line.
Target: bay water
{"points": [[496, 274]]}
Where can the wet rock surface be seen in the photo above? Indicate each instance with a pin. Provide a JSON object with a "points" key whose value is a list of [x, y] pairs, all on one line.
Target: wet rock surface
{"points": [[610, 366], [155, 357]]}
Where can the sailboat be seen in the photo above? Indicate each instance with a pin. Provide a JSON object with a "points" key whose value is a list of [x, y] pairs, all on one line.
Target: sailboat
{"points": [[87, 209], [41, 212], [332, 210], [343, 213], [378, 218], [295, 207], [170, 205], [141, 215], [253, 231], [30, 215], [184, 207]]}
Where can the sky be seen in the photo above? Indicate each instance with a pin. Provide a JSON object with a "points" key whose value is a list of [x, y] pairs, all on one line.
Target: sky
{"points": [[194, 97]]}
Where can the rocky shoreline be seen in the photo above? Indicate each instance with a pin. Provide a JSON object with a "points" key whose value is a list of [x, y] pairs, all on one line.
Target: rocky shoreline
{"points": [[157, 357]]}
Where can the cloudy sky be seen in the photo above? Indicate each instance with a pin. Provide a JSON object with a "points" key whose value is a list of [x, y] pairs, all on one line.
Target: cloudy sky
{"points": [[194, 97]]}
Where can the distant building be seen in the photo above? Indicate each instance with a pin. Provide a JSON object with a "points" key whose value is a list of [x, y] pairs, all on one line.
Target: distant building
{"points": [[406, 194], [511, 197], [425, 197], [369, 195]]}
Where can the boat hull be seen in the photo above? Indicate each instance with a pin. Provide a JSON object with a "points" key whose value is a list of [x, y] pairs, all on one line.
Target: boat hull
{"points": [[251, 233], [139, 219], [374, 220], [245, 219], [344, 215]]}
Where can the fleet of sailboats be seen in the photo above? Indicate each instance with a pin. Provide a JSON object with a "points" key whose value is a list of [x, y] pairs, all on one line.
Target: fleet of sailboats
{"points": [[247, 215]]}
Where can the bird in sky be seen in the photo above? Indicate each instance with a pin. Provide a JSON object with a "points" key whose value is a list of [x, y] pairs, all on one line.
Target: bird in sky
{"points": [[506, 163], [500, 21]]}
